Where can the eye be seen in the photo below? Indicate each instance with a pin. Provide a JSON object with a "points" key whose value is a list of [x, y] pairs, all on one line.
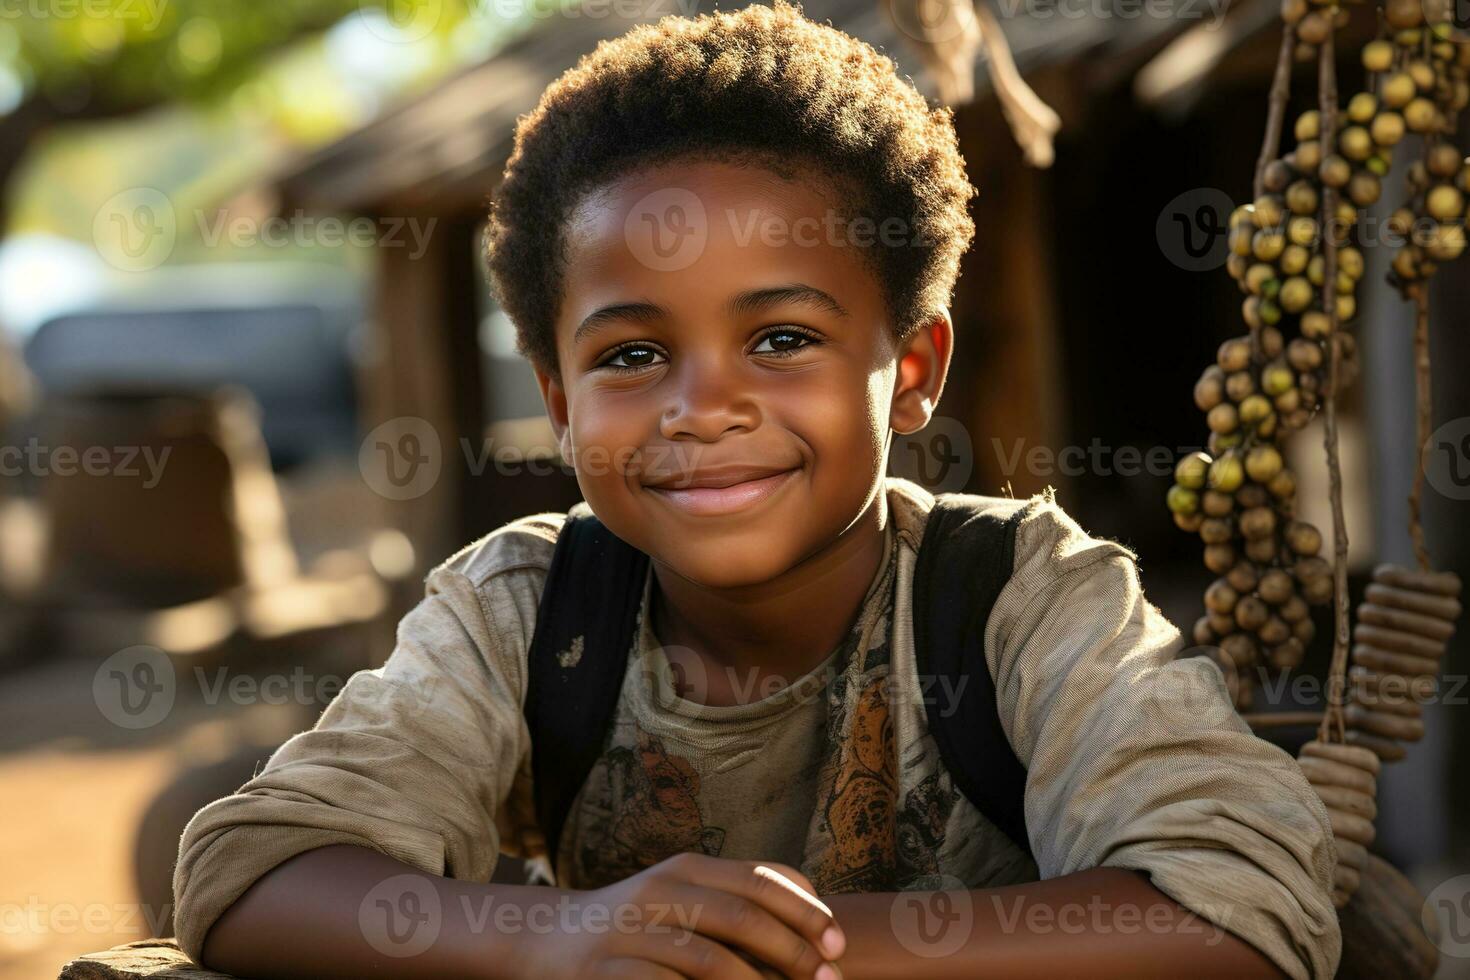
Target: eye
{"points": [[633, 356], [784, 341]]}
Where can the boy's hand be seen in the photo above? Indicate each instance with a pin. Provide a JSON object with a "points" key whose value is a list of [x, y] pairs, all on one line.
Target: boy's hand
{"points": [[698, 916]]}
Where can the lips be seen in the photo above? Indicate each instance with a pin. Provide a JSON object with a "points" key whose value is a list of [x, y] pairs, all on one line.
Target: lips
{"points": [[723, 490]]}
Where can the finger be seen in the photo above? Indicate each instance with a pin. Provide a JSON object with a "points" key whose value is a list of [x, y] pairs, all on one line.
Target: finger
{"points": [[768, 888], [792, 873], [750, 928], [813, 918], [698, 957]]}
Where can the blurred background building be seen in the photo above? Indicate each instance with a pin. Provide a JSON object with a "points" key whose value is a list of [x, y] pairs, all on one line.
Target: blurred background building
{"points": [[253, 384]]}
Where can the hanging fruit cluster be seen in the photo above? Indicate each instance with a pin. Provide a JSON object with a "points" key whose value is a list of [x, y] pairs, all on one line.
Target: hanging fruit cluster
{"points": [[1293, 254], [1423, 82], [1239, 497]]}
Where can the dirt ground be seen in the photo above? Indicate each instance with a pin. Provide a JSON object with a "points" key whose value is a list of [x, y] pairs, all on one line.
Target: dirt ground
{"points": [[74, 791]]}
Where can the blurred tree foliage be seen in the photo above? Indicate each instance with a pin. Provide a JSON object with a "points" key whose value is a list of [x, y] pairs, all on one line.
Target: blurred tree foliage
{"points": [[116, 55], [66, 60]]}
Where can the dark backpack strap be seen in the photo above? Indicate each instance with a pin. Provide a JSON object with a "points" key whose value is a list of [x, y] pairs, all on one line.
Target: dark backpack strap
{"points": [[579, 654], [964, 561]]}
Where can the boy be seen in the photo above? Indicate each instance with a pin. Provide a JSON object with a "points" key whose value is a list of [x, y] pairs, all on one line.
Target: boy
{"points": [[690, 239]]}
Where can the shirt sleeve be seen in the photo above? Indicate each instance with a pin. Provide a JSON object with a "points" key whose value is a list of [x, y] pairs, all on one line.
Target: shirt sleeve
{"points": [[413, 759], [1136, 759]]}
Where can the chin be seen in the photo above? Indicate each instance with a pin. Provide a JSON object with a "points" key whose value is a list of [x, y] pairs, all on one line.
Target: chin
{"points": [[726, 561]]}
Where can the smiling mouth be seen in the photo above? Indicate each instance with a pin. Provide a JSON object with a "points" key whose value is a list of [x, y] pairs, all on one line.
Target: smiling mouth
{"points": [[711, 501]]}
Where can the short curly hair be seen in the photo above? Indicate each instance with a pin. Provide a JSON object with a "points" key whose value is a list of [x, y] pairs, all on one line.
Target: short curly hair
{"points": [[760, 84]]}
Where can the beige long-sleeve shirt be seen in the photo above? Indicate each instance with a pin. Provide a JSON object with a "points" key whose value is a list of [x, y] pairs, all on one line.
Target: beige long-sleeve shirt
{"points": [[1134, 759]]}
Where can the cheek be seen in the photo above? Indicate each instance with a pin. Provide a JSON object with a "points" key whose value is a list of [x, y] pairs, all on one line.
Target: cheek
{"points": [[607, 431], [843, 415]]}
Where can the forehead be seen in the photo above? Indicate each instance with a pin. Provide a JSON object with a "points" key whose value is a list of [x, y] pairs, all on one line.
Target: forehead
{"points": [[694, 231]]}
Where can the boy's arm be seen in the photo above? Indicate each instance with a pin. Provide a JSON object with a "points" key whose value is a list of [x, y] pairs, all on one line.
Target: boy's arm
{"points": [[1102, 923], [414, 760], [319, 915], [348, 912], [1136, 760]]}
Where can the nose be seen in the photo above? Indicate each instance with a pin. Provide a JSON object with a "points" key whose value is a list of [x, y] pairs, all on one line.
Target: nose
{"points": [[708, 399]]}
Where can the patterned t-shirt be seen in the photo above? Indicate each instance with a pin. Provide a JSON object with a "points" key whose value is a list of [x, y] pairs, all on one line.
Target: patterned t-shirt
{"points": [[1133, 758]]}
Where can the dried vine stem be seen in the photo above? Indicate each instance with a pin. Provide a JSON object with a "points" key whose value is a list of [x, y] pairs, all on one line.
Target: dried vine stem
{"points": [[1424, 415], [1276, 116], [1332, 718]]}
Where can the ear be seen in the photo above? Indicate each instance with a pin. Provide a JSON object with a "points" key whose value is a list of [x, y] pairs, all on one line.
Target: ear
{"points": [[556, 409], [923, 364]]}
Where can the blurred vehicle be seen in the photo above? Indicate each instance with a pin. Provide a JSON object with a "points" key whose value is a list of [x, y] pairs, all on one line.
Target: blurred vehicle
{"points": [[287, 333]]}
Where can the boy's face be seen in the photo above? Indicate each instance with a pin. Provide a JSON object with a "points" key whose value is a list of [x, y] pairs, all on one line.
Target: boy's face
{"points": [[719, 329]]}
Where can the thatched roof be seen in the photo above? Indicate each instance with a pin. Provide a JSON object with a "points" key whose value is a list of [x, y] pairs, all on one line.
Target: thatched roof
{"points": [[446, 147]]}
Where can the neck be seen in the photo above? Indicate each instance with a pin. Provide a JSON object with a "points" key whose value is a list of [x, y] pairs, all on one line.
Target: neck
{"points": [[756, 637]]}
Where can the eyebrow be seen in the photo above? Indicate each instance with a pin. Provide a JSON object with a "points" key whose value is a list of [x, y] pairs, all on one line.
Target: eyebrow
{"points": [[746, 303]]}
